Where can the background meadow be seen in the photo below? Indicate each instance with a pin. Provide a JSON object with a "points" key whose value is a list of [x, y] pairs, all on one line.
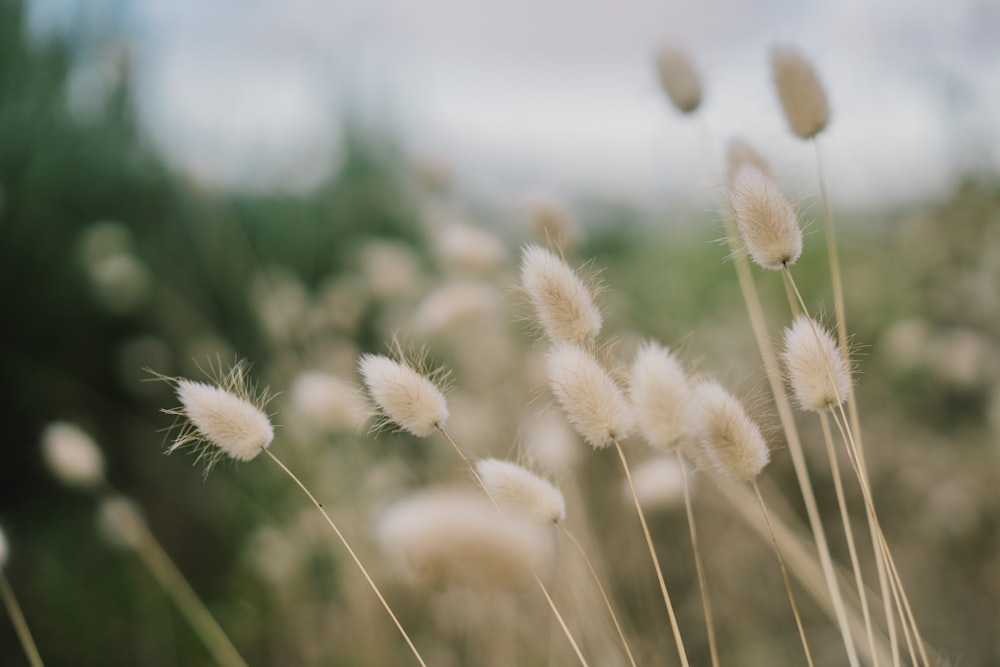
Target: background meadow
{"points": [[122, 252]]}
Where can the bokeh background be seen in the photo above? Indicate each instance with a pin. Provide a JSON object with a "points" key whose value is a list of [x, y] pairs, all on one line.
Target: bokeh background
{"points": [[271, 181]]}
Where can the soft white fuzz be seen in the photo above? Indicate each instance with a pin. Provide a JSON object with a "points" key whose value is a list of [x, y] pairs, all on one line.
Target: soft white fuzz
{"points": [[456, 537], [456, 305], [550, 444], [660, 396], [469, 250], [800, 92], [329, 403], [594, 404], [521, 490], [72, 455], [816, 370], [225, 417], [766, 220], [659, 483], [729, 438], [404, 396], [563, 304], [679, 79], [120, 522]]}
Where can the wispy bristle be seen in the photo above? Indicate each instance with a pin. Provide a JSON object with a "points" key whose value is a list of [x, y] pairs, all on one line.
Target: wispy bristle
{"points": [[594, 403], [729, 438], [404, 396], [800, 92], [563, 304], [816, 370], [660, 396], [521, 490], [766, 220]]}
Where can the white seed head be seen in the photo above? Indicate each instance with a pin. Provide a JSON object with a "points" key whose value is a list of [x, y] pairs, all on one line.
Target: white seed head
{"points": [[521, 490], [800, 92], [594, 403], [456, 305], [4, 549], [679, 79], [765, 218], [456, 537], [731, 441], [563, 304], [816, 370], [121, 522], [550, 444], [660, 396], [469, 250], [739, 153], [72, 455], [659, 483], [403, 396], [328, 402], [229, 417]]}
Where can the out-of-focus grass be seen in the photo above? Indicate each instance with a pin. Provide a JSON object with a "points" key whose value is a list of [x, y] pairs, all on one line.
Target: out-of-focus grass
{"points": [[922, 297]]}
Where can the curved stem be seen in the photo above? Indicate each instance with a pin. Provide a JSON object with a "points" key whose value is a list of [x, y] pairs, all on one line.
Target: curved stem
{"points": [[682, 654], [20, 625], [354, 557], [848, 533], [774, 378], [604, 594], [538, 580], [784, 575], [698, 566]]}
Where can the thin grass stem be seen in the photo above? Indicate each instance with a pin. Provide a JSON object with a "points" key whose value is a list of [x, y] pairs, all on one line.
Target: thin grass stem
{"points": [[784, 574], [681, 653], [354, 557], [177, 588], [698, 565], [604, 594], [848, 533], [538, 580], [774, 378], [19, 622]]}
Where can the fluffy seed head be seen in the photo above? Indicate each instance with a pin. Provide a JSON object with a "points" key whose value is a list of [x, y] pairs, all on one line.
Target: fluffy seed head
{"points": [[469, 250], [816, 370], [594, 403], [550, 444], [228, 418], [455, 537], [729, 439], [563, 304], [766, 220], [455, 306], [403, 396], [800, 92], [679, 79], [328, 402], [72, 455], [522, 490], [660, 396], [121, 522]]}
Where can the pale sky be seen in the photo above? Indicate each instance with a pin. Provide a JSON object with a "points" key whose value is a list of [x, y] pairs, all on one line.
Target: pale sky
{"points": [[524, 96]]}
